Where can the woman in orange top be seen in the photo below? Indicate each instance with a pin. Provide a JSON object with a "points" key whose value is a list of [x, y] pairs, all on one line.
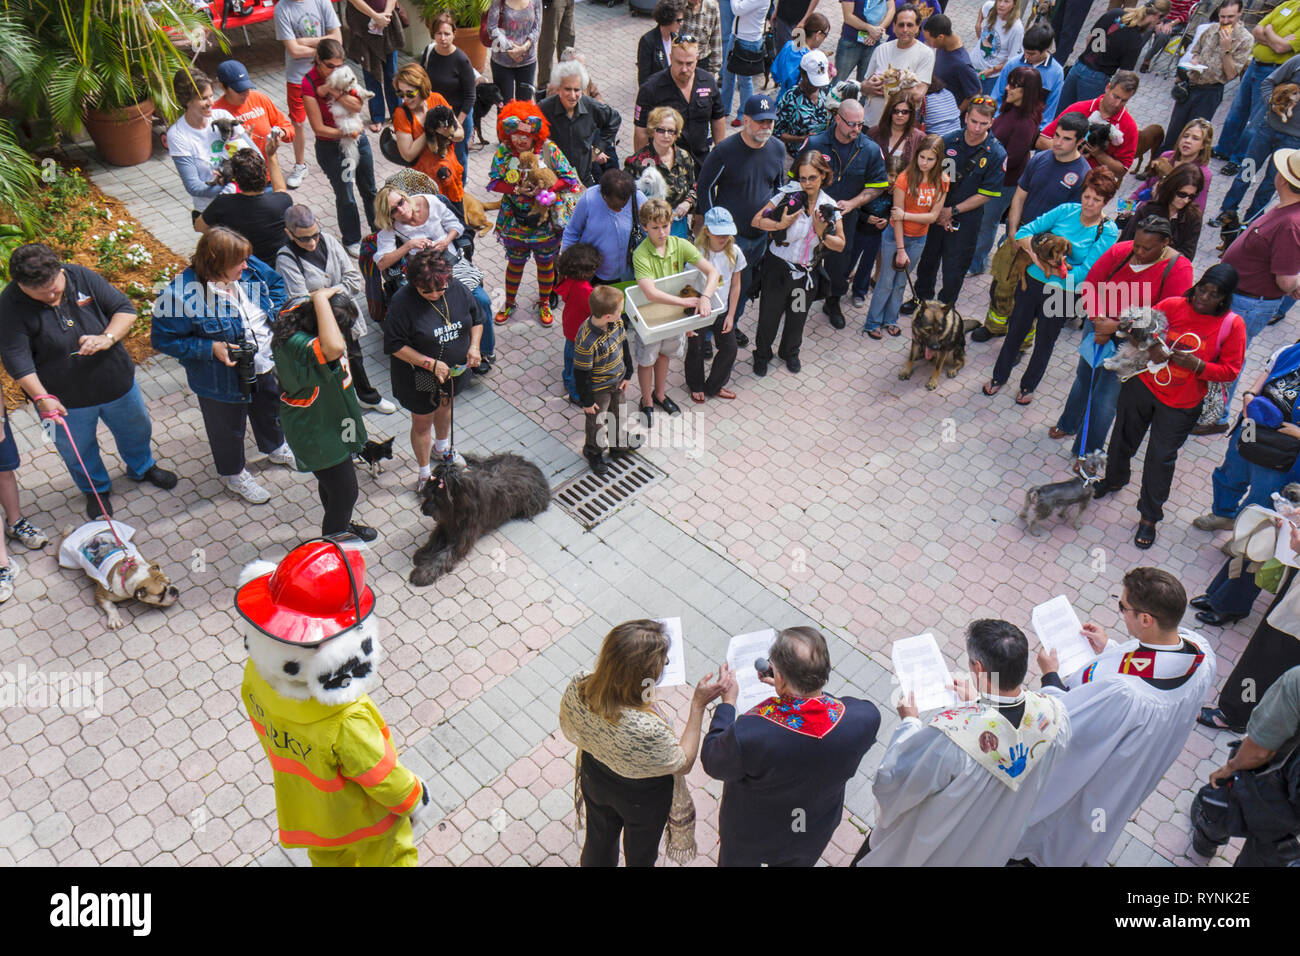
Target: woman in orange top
{"points": [[919, 195], [434, 156]]}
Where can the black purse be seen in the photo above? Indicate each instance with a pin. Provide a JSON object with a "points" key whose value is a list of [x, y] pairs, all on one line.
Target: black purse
{"points": [[742, 62], [1270, 448], [388, 141], [636, 235]]}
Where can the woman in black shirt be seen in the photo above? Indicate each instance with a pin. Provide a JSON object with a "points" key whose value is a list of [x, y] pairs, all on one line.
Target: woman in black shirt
{"points": [[1114, 43], [451, 75], [650, 54], [432, 332], [1175, 200]]}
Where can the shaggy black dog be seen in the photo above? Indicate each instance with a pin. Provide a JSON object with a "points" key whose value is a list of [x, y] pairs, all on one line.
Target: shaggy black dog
{"points": [[486, 96], [471, 501]]}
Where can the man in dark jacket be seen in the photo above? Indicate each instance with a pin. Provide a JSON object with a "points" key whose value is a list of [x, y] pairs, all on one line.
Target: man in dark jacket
{"points": [[786, 762], [583, 128]]}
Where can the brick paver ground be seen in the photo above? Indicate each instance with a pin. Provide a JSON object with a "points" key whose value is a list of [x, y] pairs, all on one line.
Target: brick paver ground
{"points": [[843, 498]]}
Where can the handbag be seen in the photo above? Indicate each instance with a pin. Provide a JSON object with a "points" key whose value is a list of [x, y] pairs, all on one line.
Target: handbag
{"points": [[402, 17], [1267, 447], [388, 140], [1215, 406], [742, 62], [636, 235]]}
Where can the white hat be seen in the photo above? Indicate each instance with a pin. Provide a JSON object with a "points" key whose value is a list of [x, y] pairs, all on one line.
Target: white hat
{"points": [[816, 67], [1287, 162]]}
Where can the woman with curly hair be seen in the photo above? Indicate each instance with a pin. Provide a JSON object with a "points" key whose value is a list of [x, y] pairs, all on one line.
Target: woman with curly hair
{"points": [[525, 224]]}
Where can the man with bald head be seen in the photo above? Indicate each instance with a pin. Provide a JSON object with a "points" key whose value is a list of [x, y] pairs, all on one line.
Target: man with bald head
{"points": [[859, 169]]}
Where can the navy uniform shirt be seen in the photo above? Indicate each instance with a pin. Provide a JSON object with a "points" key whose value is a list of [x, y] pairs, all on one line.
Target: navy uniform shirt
{"points": [[986, 172], [704, 106], [1050, 183], [857, 166]]}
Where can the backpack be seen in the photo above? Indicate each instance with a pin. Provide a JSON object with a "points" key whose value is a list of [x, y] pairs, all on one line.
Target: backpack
{"points": [[372, 278]]}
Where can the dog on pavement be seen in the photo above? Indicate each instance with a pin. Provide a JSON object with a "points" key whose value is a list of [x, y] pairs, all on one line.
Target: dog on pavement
{"points": [[1062, 496], [116, 566], [486, 96], [469, 502], [938, 336]]}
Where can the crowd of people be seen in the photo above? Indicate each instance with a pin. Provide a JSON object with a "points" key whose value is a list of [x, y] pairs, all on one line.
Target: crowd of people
{"points": [[883, 174]]}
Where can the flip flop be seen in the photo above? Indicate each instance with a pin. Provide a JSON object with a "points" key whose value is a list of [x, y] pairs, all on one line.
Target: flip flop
{"points": [[1024, 398], [375, 127], [698, 398], [893, 330], [875, 334], [1213, 718], [990, 389]]}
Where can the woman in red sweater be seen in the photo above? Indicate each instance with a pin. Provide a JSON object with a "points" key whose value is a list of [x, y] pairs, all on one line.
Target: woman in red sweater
{"points": [[1207, 343]]}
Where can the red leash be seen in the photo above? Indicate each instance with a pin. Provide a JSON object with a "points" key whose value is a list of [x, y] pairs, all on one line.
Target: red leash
{"points": [[86, 471]]}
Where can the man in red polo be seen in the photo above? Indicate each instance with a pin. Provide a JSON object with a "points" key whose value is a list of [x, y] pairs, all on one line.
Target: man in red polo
{"points": [[1111, 107]]}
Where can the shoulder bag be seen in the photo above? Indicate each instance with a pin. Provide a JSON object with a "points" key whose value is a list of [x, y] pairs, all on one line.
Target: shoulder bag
{"points": [[388, 141], [742, 62], [1215, 405]]}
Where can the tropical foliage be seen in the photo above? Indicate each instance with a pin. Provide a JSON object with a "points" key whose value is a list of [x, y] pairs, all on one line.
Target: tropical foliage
{"points": [[467, 13]]}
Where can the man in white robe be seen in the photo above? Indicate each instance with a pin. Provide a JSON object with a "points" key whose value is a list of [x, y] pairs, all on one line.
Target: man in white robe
{"points": [[957, 790], [1131, 710]]}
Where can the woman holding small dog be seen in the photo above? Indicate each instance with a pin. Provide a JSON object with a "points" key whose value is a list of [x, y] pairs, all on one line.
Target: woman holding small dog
{"points": [[1175, 200], [195, 144], [675, 164], [1206, 342], [318, 406], [430, 151], [1047, 298]]}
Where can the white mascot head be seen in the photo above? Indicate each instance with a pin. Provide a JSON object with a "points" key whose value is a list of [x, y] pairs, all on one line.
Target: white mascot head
{"points": [[309, 623]]}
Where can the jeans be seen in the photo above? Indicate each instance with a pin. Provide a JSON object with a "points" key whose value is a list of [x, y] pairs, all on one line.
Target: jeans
{"points": [[1246, 113], [862, 260], [515, 82], [1105, 393], [727, 19], [570, 380], [1262, 145], [1083, 84], [128, 420], [987, 83], [329, 157], [853, 57], [1201, 103], [337, 486], [385, 92], [1238, 483], [993, 210], [887, 298], [1067, 22], [1255, 313], [462, 148], [487, 345], [1284, 306], [729, 79]]}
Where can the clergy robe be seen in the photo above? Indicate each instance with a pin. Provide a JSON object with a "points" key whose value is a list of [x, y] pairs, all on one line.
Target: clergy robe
{"points": [[1127, 731], [938, 805]]}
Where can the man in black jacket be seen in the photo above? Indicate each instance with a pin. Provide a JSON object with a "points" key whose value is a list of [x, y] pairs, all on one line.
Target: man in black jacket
{"points": [[583, 128]]}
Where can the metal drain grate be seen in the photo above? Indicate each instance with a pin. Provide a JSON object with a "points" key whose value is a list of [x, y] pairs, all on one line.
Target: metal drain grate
{"points": [[591, 500]]}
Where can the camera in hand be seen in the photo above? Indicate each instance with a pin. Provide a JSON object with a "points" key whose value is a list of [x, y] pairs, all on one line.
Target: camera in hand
{"points": [[763, 666], [242, 355]]}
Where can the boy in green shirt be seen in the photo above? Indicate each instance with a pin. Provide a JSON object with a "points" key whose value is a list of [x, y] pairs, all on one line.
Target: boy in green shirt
{"points": [[602, 369], [659, 256]]}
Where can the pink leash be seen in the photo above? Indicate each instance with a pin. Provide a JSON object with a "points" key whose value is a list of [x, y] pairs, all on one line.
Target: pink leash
{"points": [[86, 471]]}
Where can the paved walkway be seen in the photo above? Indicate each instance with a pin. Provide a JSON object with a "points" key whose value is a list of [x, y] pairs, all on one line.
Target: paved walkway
{"points": [[842, 498]]}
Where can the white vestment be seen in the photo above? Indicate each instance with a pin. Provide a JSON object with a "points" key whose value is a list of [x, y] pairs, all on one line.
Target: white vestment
{"points": [[936, 805], [1126, 734]]}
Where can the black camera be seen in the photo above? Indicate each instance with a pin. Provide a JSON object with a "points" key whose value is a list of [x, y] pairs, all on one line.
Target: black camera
{"points": [[242, 355]]}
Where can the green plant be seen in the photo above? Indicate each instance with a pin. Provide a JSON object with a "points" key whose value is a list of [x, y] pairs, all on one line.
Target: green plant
{"points": [[19, 179], [466, 13]]}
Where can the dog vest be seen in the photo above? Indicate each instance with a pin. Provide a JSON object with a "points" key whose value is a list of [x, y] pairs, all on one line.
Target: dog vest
{"points": [[93, 548]]}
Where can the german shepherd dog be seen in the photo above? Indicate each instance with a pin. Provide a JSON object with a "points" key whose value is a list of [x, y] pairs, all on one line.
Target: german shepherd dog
{"points": [[938, 336]]}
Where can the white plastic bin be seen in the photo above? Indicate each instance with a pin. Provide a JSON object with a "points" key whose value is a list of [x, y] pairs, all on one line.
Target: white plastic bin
{"points": [[666, 321]]}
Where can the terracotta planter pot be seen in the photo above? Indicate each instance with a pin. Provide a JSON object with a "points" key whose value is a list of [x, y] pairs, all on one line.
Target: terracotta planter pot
{"points": [[467, 40], [123, 137]]}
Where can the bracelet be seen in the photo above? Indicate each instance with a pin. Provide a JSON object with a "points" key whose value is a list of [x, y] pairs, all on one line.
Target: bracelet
{"points": [[428, 364]]}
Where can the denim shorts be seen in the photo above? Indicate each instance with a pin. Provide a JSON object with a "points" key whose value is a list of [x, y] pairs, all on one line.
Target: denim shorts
{"points": [[8, 449]]}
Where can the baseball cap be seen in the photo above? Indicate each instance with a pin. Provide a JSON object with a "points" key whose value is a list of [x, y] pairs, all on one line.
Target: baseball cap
{"points": [[816, 67], [719, 222], [232, 75], [760, 107], [1287, 162]]}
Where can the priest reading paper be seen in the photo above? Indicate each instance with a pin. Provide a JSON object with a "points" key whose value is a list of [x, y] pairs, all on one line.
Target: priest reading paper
{"points": [[957, 790], [1131, 710]]}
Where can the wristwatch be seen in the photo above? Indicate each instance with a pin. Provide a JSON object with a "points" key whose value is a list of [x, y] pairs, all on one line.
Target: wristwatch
{"points": [[111, 338]]}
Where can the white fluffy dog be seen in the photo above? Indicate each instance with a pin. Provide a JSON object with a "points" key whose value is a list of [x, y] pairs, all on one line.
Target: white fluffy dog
{"points": [[652, 184], [344, 82]]}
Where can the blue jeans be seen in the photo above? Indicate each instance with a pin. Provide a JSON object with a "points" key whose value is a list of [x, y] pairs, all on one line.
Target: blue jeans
{"points": [[128, 420], [1255, 313], [487, 345], [1238, 483], [989, 225], [384, 91], [570, 380], [1246, 113], [887, 298], [726, 18], [729, 79], [987, 83], [462, 148], [852, 57], [1105, 395], [681, 228], [1083, 84], [862, 260], [329, 157], [1262, 145]]}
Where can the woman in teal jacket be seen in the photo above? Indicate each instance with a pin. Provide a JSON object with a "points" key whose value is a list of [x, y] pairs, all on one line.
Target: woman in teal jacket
{"points": [[1049, 301]]}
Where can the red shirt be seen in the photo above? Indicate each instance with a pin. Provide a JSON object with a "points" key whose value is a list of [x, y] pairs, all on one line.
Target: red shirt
{"points": [[1269, 247], [1126, 151], [575, 293], [1109, 289], [1177, 387], [259, 114]]}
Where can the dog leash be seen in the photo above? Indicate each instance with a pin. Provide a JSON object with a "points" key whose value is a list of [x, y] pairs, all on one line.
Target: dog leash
{"points": [[1087, 416], [907, 273], [86, 471]]}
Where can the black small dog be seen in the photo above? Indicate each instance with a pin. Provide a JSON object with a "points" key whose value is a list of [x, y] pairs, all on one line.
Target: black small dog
{"points": [[1230, 228], [471, 501], [374, 454], [1098, 136], [486, 96]]}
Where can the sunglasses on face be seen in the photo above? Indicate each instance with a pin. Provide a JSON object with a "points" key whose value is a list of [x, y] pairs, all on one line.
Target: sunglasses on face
{"points": [[852, 124], [524, 124], [1187, 195], [665, 131], [398, 203], [310, 237], [903, 111], [407, 94]]}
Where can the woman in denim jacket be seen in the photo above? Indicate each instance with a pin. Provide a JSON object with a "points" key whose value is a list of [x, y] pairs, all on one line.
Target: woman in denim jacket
{"points": [[227, 297]]}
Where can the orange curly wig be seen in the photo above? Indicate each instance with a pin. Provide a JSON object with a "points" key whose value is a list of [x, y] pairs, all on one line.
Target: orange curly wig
{"points": [[522, 109]]}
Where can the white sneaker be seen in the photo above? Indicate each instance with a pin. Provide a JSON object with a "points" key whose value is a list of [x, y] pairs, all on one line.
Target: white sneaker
{"points": [[452, 456], [420, 481], [296, 176], [282, 456], [353, 250], [7, 582], [383, 406], [244, 485], [27, 534]]}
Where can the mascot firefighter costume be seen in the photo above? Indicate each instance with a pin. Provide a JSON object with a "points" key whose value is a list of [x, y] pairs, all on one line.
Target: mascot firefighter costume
{"points": [[313, 647]]}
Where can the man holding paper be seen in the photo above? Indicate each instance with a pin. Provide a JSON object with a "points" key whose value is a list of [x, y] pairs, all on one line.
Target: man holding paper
{"points": [[1131, 710], [957, 790], [784, 764]]}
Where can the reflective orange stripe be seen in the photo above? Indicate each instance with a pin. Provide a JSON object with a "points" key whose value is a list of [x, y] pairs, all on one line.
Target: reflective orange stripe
{"points": [[406, 805], [307, 838], [300, 402], [297, 768], [376, 774]]}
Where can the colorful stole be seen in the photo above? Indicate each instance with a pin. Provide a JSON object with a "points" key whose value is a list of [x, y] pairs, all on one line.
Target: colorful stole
{"points": [[810, 716], [1162, 669], [1007, 753]]}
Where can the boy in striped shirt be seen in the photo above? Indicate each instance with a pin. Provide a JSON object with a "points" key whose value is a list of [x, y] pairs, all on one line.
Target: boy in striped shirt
{"points": [[602, 369]]}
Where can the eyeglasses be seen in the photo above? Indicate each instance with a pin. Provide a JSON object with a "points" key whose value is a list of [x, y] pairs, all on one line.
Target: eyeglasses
{"points": [[1191, 195], [681, 39], [524, 124], [665, 131], [1123, 608], [814, 178], [332, 66], [680, 20], [312, 237], [434, 290]]}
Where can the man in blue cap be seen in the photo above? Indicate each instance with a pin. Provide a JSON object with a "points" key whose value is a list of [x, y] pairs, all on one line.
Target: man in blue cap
{"points": [[741, 174], [262, 120]]}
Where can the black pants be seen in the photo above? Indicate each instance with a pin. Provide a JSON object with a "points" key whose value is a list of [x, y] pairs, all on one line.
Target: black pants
{"points": [[1216, 818], [1268, 656], [226, 422], [724, 359], [366, 392], [515, 82], [1067, 23], [784, 295], [636, 808], [954, 251], [1037, 302], [838, 264], [338, 493], [1136, 411], [1201, 103]]}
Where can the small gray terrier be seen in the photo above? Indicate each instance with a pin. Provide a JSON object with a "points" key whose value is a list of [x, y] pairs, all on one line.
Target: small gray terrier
{"points": [[1142, 328], [1060, 497]]}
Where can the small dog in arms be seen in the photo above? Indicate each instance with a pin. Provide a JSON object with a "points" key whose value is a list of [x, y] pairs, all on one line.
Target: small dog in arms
{"points": [[1142, 328], [344, 82], [1062, 496], [115, 565]]}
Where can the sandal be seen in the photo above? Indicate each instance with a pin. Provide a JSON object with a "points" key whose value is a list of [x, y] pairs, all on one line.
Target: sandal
{"points": [[875, 334], [893, 330], [1146, 534], [1056, 433], [375, 127], [1024, 398], [991, 389], [1213, 718]]}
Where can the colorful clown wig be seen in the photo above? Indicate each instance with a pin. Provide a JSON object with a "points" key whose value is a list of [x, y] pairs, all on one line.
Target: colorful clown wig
{"points": [[522, 116]]}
